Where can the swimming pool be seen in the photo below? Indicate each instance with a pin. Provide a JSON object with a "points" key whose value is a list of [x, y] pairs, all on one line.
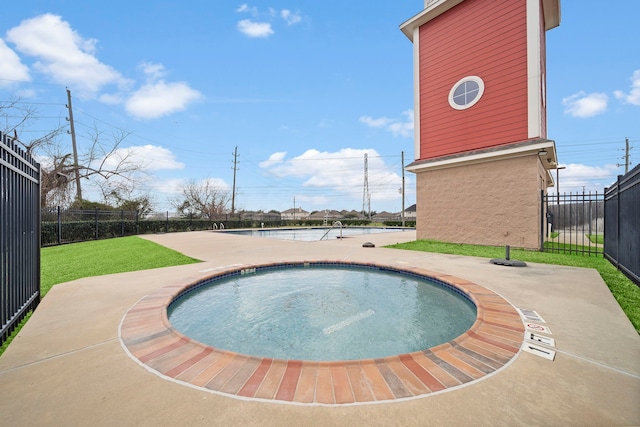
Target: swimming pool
{"points": [[492, 342], [309, 234], [322, 312]]}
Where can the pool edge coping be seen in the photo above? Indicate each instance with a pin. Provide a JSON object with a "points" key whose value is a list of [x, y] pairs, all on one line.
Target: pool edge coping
{"points": [[488, 346]]}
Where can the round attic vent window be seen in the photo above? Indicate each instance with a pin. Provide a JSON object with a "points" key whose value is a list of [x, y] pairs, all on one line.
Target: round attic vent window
{"points": [[466, 92]]}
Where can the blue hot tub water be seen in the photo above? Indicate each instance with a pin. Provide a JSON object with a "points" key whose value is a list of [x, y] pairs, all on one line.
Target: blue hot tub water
{"points": [[322, 313]]}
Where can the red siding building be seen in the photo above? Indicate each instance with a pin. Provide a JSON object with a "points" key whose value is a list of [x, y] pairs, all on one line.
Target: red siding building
{"points": [[479, 76]]}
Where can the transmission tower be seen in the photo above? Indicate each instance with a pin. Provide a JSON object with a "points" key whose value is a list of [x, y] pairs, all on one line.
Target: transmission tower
{"points": [[366, 197], [235, 169]]}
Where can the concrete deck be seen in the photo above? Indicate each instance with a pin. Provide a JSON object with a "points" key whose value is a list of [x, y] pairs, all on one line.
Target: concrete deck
{"points": [[68, 367]]}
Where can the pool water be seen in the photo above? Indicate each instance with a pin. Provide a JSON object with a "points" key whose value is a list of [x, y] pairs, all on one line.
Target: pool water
{"points": [[322, 313], [312, 233]]}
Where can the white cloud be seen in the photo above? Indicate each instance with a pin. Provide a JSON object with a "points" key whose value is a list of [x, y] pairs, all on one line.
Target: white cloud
{"points": [[397, 127], [341, 171], [63, 55], [290, 17], [261, 25], [147, 157], [583, 106], [633, 97], [255, 29], [576, 178], [273, 160], [158, 99], [154, 158], [244, 8], [153, 71], [11, 68]]}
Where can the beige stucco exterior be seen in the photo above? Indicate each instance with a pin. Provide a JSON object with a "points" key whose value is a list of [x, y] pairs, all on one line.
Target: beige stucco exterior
{"points": [[494, 202]]}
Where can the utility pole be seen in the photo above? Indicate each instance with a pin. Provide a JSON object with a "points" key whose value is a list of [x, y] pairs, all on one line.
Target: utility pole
{"points": [[403, 188], [626, 156], [75, 149], [235, 169]]}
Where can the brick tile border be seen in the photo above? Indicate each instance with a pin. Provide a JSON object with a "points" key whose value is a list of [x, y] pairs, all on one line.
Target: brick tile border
{"points": [[489, 345]]}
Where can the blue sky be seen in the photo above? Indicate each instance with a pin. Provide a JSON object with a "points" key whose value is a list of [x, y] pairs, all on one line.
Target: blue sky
{"points": [[303, 89]]}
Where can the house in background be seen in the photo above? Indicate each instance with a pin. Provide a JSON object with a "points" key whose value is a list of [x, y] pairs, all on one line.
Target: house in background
{"points": [[294, 213], [326, 215], [482, 157], [385, 216], [410, 213]]}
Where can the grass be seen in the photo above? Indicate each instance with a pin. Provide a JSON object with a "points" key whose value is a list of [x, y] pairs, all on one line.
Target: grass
{"points": [[596, 238], [99, 257], [64, 263], [624, 290]]}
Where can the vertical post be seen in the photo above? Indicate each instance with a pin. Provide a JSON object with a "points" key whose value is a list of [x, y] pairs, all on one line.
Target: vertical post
{"points": [[96, 223], [59, 227], [233, 193], [626, 156], [618, 184], [541, 220], [166, 224], [121, 223], [403, 188], [73, 143]]}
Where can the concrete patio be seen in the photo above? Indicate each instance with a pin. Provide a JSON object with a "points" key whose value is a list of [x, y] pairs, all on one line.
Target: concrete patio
{"points": [[68, 367]]}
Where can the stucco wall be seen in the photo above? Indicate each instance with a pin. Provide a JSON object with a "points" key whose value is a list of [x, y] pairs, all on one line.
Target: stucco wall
{"points": [[491, 203]]}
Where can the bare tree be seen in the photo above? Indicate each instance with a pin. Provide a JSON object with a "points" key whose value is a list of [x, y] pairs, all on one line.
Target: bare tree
{"points": [[103, 162], [205, 199]]}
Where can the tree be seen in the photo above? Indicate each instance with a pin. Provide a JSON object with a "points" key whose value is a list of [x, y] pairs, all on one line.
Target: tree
{"points": [[103, 161], [203, 200]]}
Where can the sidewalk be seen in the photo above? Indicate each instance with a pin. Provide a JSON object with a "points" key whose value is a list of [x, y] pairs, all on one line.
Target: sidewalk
{"points": [[67, 366]]}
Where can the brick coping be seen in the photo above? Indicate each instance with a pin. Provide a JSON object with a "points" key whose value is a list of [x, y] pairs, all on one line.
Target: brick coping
{"points": [[490, 344]]}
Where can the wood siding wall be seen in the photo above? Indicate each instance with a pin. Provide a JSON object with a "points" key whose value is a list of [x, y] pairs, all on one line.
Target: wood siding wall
{"points": [[476, 37]]}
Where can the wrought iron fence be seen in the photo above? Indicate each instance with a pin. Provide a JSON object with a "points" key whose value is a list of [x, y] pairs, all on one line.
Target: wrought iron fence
{"points": [[19, 235], [622, 224], [574, 223]]}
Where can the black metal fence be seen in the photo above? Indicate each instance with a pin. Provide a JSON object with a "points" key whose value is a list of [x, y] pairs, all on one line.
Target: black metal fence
{"points": [[574, 223], [19, 235], [60, 226], [622, 224], [68, 226]]}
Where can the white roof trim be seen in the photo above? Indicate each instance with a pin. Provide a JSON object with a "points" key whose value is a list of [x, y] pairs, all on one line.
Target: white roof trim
{"points": [[487, 156]]}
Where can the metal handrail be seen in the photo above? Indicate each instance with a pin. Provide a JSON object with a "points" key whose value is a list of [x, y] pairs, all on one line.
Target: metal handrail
{"points": [[335, 223]]}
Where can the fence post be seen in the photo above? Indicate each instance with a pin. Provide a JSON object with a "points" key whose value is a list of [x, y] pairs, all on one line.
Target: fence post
{"points": [[166, 224], [59, 227], [618, 184], [122, 223], [96, 222], [542, 218]]}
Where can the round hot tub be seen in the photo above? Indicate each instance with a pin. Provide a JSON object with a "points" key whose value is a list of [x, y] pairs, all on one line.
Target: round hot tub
{"points": [[345, 313], [323, 312]]}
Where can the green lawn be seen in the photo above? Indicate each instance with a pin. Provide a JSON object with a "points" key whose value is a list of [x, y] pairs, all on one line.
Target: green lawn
{"points": [[64, 263], [596, 238], [624, 290]]}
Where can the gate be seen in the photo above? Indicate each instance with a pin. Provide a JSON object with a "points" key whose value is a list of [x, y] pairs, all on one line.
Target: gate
{"points": [[19, 235], [574, 223]]}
